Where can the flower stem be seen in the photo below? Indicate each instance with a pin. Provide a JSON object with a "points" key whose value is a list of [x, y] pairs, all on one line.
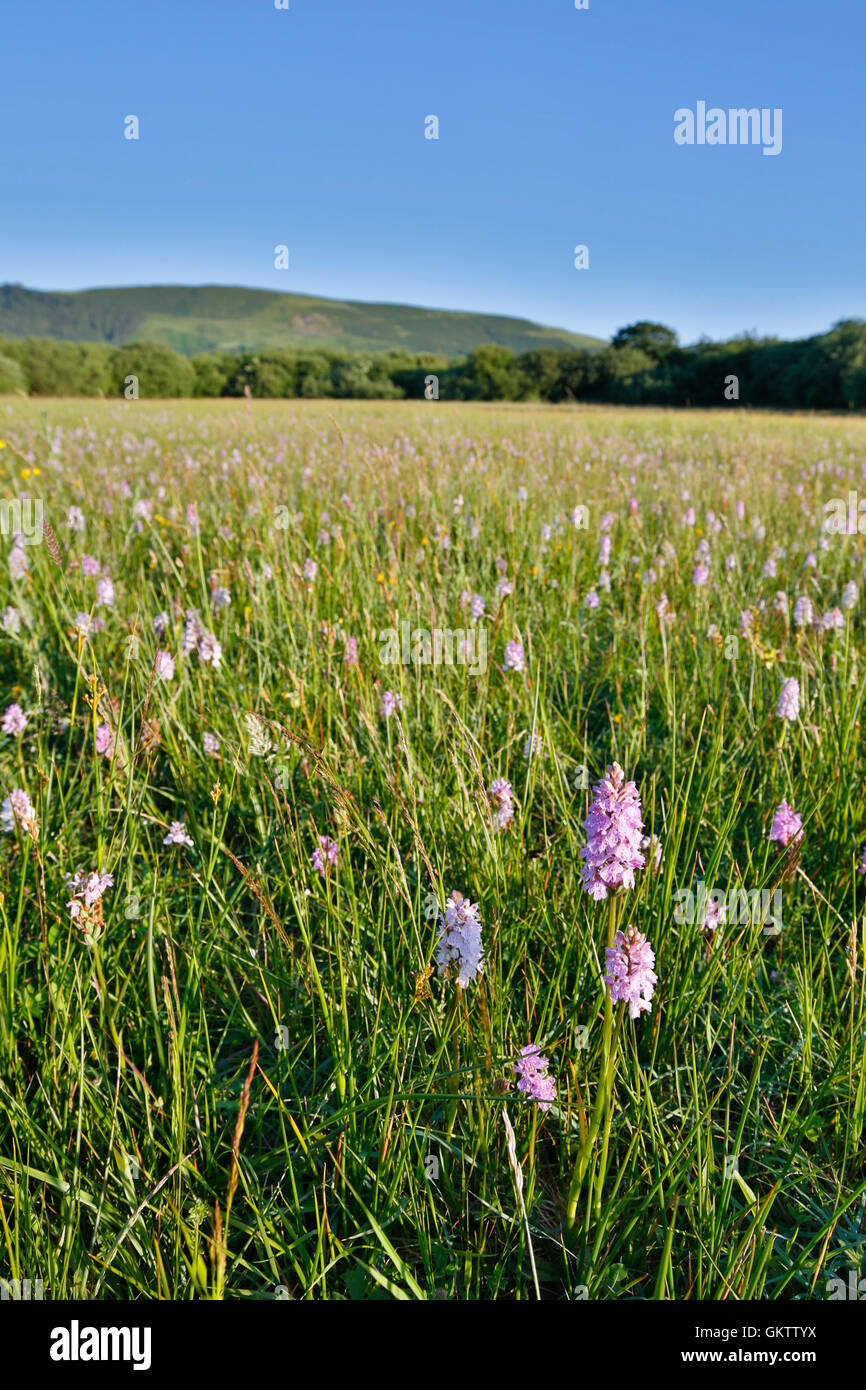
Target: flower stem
{"points": [[600, 1106], [608, 1111], [453, 1036], [103, 989], [530, 1187]]}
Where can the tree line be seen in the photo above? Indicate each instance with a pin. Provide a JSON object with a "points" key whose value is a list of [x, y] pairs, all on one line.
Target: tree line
{"points": [[643, 365]]}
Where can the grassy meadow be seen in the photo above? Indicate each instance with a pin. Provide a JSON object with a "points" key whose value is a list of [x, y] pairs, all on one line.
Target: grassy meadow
{"points": [[234, 1073]]}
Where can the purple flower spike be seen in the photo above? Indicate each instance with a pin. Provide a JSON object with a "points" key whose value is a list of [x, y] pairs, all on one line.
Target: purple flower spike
{"points": [[787, 825], [460, 940], [630, 976], [789, 700], [325, 855], [502, 803], [613, 827], [534, 1081]]}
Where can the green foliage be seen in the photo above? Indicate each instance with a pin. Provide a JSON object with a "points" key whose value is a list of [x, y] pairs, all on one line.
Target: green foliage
{"points": [[61, 369], [212, 374], [654, 339], [314, 375], [160, 371], [268, 375], [12, 376], [360, 378], [642, 366], [490, 373]]}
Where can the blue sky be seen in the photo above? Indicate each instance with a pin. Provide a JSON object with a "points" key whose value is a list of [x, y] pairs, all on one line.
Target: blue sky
{"points": [[305, 127]]}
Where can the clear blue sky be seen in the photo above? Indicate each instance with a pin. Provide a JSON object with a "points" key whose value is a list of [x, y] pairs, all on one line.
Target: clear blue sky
{"points": [[306, 127]]}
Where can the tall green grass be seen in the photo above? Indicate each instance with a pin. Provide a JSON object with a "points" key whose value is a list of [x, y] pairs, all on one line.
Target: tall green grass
{"points": [[146, 1148]]}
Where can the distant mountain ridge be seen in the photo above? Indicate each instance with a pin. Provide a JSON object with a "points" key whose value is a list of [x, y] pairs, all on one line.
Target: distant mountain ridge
{"points": [[214, 318]]}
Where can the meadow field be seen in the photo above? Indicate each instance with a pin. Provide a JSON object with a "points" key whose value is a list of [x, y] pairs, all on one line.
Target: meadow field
{"points": [[279, 680]]}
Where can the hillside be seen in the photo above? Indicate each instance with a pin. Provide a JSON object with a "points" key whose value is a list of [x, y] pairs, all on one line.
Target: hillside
{"points": [[206, 318]]}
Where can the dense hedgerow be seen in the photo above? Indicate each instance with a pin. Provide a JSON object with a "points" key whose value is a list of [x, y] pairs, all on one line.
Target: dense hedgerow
{"points": [[643, 365]]}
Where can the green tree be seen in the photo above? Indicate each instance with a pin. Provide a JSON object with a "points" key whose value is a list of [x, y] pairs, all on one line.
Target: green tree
{"points": [[160, 371], [540, 371], [314, 375], [12, 376], [490, 373], [211, 374], [271, 374], [356, 377], [625, 374], [62, 369], [409, 371], [655, 339]]}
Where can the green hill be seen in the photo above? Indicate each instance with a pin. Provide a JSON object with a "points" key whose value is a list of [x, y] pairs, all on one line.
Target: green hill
{"points": [[206, 318]]}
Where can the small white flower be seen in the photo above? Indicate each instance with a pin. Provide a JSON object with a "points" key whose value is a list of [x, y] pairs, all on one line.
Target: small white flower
{"points": [[177, 834]]}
